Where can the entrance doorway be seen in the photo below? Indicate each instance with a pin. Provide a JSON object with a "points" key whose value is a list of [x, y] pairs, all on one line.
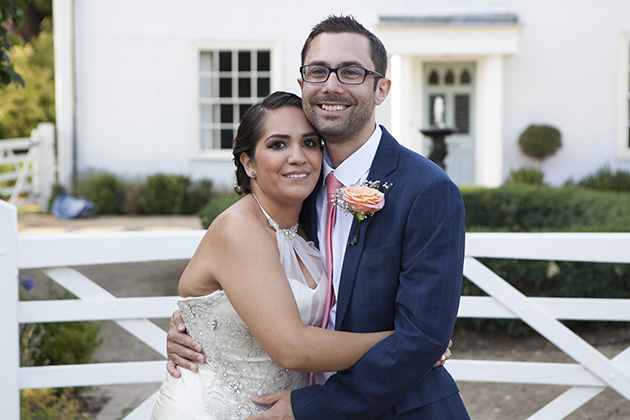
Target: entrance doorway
{"points": [[455, 83]]}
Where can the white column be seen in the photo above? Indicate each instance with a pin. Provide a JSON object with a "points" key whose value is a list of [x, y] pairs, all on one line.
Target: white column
{"points": [[64, 88], [489, 150], [10, 348]]}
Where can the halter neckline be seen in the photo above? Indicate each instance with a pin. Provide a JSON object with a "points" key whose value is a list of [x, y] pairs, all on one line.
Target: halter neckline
{"points": [[289, 233]]}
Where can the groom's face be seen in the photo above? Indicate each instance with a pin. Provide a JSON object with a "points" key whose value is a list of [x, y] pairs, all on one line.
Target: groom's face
{"points": [[341, 112]]}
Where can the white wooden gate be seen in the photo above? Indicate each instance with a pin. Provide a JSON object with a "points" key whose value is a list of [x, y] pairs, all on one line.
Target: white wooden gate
{"points": [[28, 164], [56, 253]]}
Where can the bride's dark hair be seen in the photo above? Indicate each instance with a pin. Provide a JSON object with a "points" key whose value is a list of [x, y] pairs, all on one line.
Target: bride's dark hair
{"points": [[250, 131]]}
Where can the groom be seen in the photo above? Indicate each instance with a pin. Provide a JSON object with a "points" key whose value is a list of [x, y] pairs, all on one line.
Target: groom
{"points": [[405, 270]]}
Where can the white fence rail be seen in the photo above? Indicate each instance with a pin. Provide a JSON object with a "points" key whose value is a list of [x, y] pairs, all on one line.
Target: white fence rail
{"points": [[28, 167], [54, 254]]}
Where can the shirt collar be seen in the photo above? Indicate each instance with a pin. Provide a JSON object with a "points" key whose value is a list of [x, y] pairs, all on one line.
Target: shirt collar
{"points": [[354, 170]]}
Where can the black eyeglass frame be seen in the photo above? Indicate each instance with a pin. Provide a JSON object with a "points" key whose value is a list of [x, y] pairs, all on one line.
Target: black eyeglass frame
{"points": [[335, 69]]}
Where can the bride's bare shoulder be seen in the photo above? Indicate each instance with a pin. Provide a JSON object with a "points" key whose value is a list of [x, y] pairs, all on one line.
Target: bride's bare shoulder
{"points": [[238, 221]]}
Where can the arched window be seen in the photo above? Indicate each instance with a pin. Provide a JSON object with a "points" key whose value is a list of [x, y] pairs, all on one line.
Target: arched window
{"points": [[434, 78], [464, 78], [449, 79]]}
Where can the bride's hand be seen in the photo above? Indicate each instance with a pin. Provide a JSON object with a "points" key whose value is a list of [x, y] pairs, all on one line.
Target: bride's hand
{"points": [[447, 355], [181, 349]]}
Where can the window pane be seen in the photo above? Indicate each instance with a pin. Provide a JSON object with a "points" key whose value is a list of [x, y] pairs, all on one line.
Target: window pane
{"points": [[206, 114], [244, 61], [205, 62], [464, 79], [449, 79], [434, 78], [264, 61], [205, 87], [226, 138], [225, 88], [206, 139], [227, 114], [225, 61], [462, 113], [264, 86], [244, 87], [242, 109]]}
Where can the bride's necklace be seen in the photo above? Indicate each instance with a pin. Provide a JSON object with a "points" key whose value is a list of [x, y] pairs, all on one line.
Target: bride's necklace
{"points": [[289, 233]]}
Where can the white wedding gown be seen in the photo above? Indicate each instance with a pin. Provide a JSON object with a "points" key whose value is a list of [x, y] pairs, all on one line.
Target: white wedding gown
{"points": [[236, 364]]}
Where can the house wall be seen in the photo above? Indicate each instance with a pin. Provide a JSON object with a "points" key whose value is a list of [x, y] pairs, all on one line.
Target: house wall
{"points": [[135, 95]]}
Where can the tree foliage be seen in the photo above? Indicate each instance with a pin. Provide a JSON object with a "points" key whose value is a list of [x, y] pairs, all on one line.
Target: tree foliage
{"points": [[10, 16], [21, 109]]}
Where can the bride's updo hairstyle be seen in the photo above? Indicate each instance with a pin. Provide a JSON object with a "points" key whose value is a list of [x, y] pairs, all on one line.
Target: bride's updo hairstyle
{"points": [[251, 130]]}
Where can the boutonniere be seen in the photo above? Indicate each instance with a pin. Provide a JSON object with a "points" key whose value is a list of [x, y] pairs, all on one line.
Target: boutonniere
{"points": [[362, 201]]}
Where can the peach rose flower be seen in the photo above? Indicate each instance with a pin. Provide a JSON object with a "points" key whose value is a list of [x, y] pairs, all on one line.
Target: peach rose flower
{"points": [[364, 199]]}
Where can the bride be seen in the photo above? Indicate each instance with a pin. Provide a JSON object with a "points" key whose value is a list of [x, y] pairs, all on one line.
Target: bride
{"points": [[254, 292]]}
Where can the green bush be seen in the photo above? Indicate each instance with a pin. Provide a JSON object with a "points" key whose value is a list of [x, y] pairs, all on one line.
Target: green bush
{"points": [[58, 343], [199, 194], [606, 180], [540, 141], [215, 207], [103, 189], [529, 176], [524, 208], [165, 194], [21, 109], [49, 404]]}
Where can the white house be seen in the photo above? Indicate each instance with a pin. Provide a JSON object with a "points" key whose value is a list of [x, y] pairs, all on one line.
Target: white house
{"points": [[157, 86]]}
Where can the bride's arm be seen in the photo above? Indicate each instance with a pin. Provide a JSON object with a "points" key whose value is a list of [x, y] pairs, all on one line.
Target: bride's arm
{"points": [[246, 263]]}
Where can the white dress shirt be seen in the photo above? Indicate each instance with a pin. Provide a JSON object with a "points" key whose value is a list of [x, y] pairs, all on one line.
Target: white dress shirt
{"points": [[352, 171]]}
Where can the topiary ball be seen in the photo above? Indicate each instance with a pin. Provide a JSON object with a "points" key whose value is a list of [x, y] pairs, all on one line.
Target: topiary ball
{"points": [[540, 141]]}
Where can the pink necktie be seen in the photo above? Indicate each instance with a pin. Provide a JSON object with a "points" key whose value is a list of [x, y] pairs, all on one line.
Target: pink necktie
{"points": [[332, 184]]}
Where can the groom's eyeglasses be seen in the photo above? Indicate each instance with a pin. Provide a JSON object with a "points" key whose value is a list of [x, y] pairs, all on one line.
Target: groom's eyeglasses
{"points": [[348, 75]]}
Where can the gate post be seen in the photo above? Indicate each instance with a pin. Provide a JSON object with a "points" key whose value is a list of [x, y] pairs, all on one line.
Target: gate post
{"points": [[45, 163], [10, 349]]}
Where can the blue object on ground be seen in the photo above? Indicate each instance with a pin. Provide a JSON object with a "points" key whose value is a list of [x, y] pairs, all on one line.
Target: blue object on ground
{"points": [[69, 207]]}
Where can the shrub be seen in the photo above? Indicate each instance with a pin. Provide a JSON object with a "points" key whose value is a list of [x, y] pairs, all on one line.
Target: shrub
{"points": [[606, 180], [529, 176], [49, 404], [165, 194], [524, 208], [540, 141], [58, 343], [131, 201], [101, 188], [215, 207], [199, 194]]}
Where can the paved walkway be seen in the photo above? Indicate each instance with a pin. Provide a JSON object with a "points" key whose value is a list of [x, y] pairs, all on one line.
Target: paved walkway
{"points": [[124, 280]]}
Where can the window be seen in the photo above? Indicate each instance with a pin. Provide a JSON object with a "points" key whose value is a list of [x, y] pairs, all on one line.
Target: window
{"points": [[230, 81]]}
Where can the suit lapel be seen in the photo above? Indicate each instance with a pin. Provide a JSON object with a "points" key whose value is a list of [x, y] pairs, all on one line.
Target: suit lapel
{"points": [[384, 163]]}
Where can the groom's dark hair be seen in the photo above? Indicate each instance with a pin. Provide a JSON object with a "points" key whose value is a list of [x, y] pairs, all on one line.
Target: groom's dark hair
{"points": [[250, 131], [348, 24]]}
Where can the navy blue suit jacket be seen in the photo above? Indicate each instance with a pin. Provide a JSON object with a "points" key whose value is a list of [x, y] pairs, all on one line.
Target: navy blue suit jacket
{"points": [[404, 273]]}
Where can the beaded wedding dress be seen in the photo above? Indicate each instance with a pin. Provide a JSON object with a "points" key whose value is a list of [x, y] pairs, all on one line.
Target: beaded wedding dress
{"points": [[236, 364]]}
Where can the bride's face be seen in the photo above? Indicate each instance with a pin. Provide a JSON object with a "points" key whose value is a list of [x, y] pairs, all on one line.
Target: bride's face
{"points": [[288, 158]]}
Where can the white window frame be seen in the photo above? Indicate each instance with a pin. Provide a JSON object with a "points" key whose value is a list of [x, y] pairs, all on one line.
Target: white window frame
{"points": [[623, 134], [198, 47]]}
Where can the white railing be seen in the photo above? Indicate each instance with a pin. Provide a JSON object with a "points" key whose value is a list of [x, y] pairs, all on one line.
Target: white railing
{"points": [[28, 167], [55, 253]]}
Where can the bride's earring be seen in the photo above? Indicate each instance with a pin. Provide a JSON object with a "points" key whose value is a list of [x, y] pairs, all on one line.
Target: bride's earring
{"points": [[253, 174]]}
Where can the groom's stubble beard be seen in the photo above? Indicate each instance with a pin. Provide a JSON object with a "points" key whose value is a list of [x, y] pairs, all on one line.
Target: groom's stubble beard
{"points": [[339, 129]]}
